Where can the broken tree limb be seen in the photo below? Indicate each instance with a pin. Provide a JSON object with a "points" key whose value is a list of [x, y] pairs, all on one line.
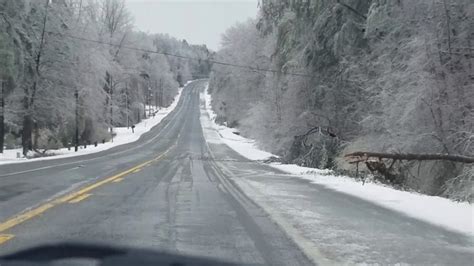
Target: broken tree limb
{"points": [[352, 9], [361, 156]]}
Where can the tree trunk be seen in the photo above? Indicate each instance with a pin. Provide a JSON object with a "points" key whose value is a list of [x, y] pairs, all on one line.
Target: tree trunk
{"points": [[28, 100], [364, 156], [26, 134], [27, 121], [36, 135], [2, 115], [107, 89]]}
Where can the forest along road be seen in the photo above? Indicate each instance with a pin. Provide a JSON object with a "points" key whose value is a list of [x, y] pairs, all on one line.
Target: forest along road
{"points": [[161, 192], [173, 191]]}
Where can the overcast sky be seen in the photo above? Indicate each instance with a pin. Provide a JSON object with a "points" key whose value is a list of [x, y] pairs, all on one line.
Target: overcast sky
{"points": [[197, 21]]}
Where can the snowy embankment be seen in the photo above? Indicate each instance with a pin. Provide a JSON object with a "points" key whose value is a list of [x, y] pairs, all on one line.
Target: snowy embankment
{"points": [[122, 136], [455, 216], [244, 146]]}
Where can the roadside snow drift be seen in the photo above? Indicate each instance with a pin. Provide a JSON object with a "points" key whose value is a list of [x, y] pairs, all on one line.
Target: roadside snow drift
{"points": [[123, 136], [455, 216], [246, 147]]}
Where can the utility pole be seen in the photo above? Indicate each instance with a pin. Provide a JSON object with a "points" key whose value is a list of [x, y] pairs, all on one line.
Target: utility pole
{"points": [[2, 114], [127, 105], [156, 94], [150, 100], [150, 105], [111, 106], [146, 91], [146, 100], [161, 93], [76, 135]]}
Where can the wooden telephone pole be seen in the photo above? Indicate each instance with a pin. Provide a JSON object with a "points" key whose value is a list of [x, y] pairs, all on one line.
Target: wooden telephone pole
{"points": [[76, 133], [161, 93], [2, 114], [127, 104]]}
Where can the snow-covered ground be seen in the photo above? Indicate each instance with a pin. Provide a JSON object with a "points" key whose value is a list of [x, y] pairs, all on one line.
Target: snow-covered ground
{"points": [[123, 135], [244, 146], [436, 210]]}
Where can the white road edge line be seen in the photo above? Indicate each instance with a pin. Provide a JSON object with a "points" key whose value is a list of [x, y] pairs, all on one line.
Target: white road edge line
{"points": [[311, 251]]}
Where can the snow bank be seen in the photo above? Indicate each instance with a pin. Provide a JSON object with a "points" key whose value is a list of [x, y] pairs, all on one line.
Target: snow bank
{"points": [[246, 147], [457, 216], [436, 210], [123, 136]]}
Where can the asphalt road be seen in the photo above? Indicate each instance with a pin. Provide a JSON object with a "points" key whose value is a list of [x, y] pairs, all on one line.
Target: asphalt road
{"points": [[163, 192], [173, 191]]}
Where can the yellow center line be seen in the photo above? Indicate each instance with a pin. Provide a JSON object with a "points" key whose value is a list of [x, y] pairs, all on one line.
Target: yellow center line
{"points": [[29, 214], [5, 237], [80, 198], [118, 180], [25, 216], [136, 170]]}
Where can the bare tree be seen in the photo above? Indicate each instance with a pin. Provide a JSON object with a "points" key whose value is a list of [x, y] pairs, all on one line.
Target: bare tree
{"points": [[115, 16]]}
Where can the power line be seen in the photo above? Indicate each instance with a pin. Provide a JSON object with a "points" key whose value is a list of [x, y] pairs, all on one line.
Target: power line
{"points": [[257, 69]]}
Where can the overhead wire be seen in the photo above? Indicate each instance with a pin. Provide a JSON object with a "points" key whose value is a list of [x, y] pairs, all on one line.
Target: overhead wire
{"points": [[121, 46]]}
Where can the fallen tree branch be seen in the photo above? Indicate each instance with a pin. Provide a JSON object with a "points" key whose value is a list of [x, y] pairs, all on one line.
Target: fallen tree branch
{"points": [[361, 156], [352, 9]]}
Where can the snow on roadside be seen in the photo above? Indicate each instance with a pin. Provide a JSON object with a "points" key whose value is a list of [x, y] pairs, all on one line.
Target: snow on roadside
{"points": [[456, 216], [246, 147], [123, 136]]}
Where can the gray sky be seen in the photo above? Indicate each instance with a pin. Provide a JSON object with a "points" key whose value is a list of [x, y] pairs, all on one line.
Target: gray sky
{"points": [[197, 21]]}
